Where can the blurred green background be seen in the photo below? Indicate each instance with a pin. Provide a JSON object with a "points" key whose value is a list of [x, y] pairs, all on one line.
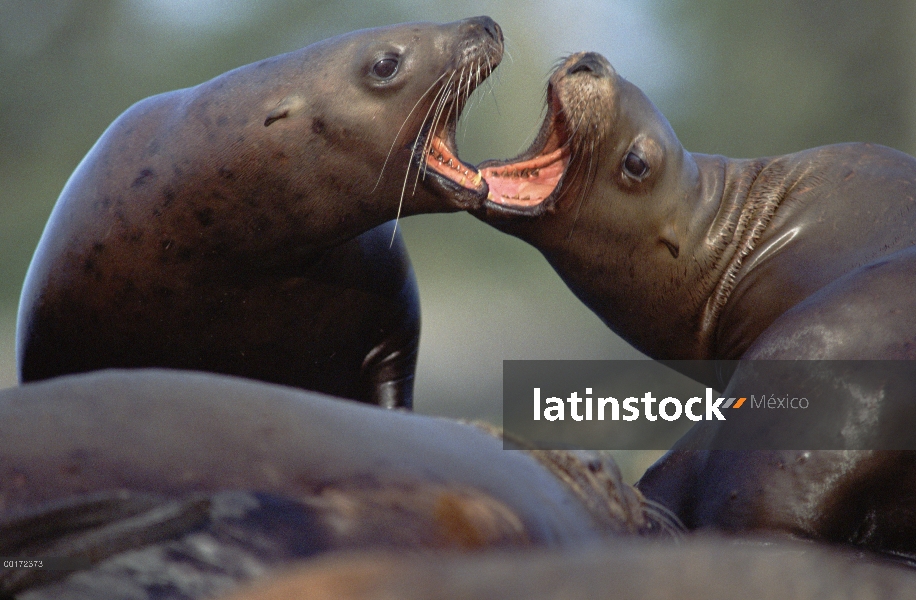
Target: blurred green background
{"points": [[747, 78]]}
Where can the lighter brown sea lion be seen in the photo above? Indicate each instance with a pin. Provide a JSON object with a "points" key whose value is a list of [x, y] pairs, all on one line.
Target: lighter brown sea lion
{"points": [[690, 256], [811, 255], [224, 227]]}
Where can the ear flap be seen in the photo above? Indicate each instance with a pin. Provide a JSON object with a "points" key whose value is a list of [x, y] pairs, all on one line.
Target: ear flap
{"points": [[286, 106], [669, 239]]}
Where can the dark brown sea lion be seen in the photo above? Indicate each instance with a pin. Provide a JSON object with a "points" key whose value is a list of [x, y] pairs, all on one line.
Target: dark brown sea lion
{"points": [[194, 482], [688, 256], [703, 569], [223, 227]]}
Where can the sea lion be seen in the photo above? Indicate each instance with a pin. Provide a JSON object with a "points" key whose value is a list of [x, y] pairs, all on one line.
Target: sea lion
{"points": [[223, 227], [690, 256], [194, 481], [695, 569]]}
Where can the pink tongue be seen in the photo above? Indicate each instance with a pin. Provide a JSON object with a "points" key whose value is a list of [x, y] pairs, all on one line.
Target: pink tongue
{"points": [[526, 183]]}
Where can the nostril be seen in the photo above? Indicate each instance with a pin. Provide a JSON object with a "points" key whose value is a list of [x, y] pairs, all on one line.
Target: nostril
{"points": [[495, 31], [489, 26], [581, 67]]}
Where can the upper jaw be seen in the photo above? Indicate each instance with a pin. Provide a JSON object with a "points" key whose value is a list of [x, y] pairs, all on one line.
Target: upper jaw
{"points": [[534, 182], [434, 151]]}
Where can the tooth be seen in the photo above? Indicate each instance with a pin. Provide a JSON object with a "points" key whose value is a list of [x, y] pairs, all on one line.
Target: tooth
{"points": [[525, 198], [535, 172], [451, 163]]}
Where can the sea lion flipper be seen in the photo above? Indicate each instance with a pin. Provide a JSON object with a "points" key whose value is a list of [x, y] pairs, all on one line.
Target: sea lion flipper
{"points": [[389, 373]]}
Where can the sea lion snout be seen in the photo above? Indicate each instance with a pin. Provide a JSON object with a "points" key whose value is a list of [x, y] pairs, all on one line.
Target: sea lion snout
{"points": [[488, 25]]}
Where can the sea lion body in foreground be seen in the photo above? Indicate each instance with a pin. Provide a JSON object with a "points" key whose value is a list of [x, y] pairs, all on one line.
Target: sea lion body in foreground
{"points": [[697, 569], [218, 227], [202, 480], [689, 256]]}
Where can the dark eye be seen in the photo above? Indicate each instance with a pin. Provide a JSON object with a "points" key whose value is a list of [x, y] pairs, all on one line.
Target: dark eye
{"points": [[385, 68], [635, 166]]}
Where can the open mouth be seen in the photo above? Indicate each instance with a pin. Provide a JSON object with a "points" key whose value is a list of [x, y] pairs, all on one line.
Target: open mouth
{"points": [[523, 185], [526, 183]]}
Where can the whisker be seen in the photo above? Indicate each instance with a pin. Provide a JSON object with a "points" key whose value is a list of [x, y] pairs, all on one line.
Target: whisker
{"points": [[398, 134], [427, 144], [439, 104], [413, 152]]}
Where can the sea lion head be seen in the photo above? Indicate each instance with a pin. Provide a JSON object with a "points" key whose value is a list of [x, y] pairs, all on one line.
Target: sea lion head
{"points": [[608, 194], [384, 104]]}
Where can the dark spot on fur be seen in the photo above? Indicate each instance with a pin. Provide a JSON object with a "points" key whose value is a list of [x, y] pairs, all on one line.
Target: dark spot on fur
{"points": [[185, 254], [204, 216], [132, 235], [89, 265], [318, 126], [98, 247], [169, 194], [222, 120], [226, 173], [143, 178], [72, 469]]}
